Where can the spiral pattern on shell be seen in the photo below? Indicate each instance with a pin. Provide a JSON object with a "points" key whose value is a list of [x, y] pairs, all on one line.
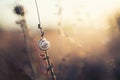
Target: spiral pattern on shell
{"points": [[44, 44]]}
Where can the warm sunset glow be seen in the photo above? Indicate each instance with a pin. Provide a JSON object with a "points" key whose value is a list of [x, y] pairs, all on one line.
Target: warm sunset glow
{"points": [[87, 13]]}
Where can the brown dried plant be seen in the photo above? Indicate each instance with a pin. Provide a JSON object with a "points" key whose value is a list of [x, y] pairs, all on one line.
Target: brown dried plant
{"points": [[19, 10]]}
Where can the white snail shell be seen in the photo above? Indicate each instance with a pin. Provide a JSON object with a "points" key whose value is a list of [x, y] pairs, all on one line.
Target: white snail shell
{"points": [[44, 44]]}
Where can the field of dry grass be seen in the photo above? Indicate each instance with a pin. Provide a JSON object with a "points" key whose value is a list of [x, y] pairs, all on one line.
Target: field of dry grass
{"points": [[68, 64]]}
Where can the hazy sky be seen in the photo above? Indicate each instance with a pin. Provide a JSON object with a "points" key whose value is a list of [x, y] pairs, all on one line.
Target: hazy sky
{"points": [[73, 12]]}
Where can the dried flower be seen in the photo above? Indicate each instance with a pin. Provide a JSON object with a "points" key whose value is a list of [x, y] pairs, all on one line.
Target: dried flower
{"points": [[19, 10]]}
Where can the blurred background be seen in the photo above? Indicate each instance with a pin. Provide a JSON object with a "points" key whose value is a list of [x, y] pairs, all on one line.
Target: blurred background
{"points": [[84, 37]]}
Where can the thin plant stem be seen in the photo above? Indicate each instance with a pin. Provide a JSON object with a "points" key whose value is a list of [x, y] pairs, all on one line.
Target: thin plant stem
{"points": [[23, 26]]}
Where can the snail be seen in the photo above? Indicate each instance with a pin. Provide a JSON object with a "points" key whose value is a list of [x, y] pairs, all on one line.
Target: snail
{"points": [[44, 44]]}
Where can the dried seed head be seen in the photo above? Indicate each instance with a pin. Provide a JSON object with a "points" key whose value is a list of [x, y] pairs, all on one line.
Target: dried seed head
{"points": [[19, 10]]}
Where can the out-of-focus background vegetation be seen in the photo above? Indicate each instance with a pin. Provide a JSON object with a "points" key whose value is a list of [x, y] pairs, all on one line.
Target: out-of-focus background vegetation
{"points": [[84, 37]]}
